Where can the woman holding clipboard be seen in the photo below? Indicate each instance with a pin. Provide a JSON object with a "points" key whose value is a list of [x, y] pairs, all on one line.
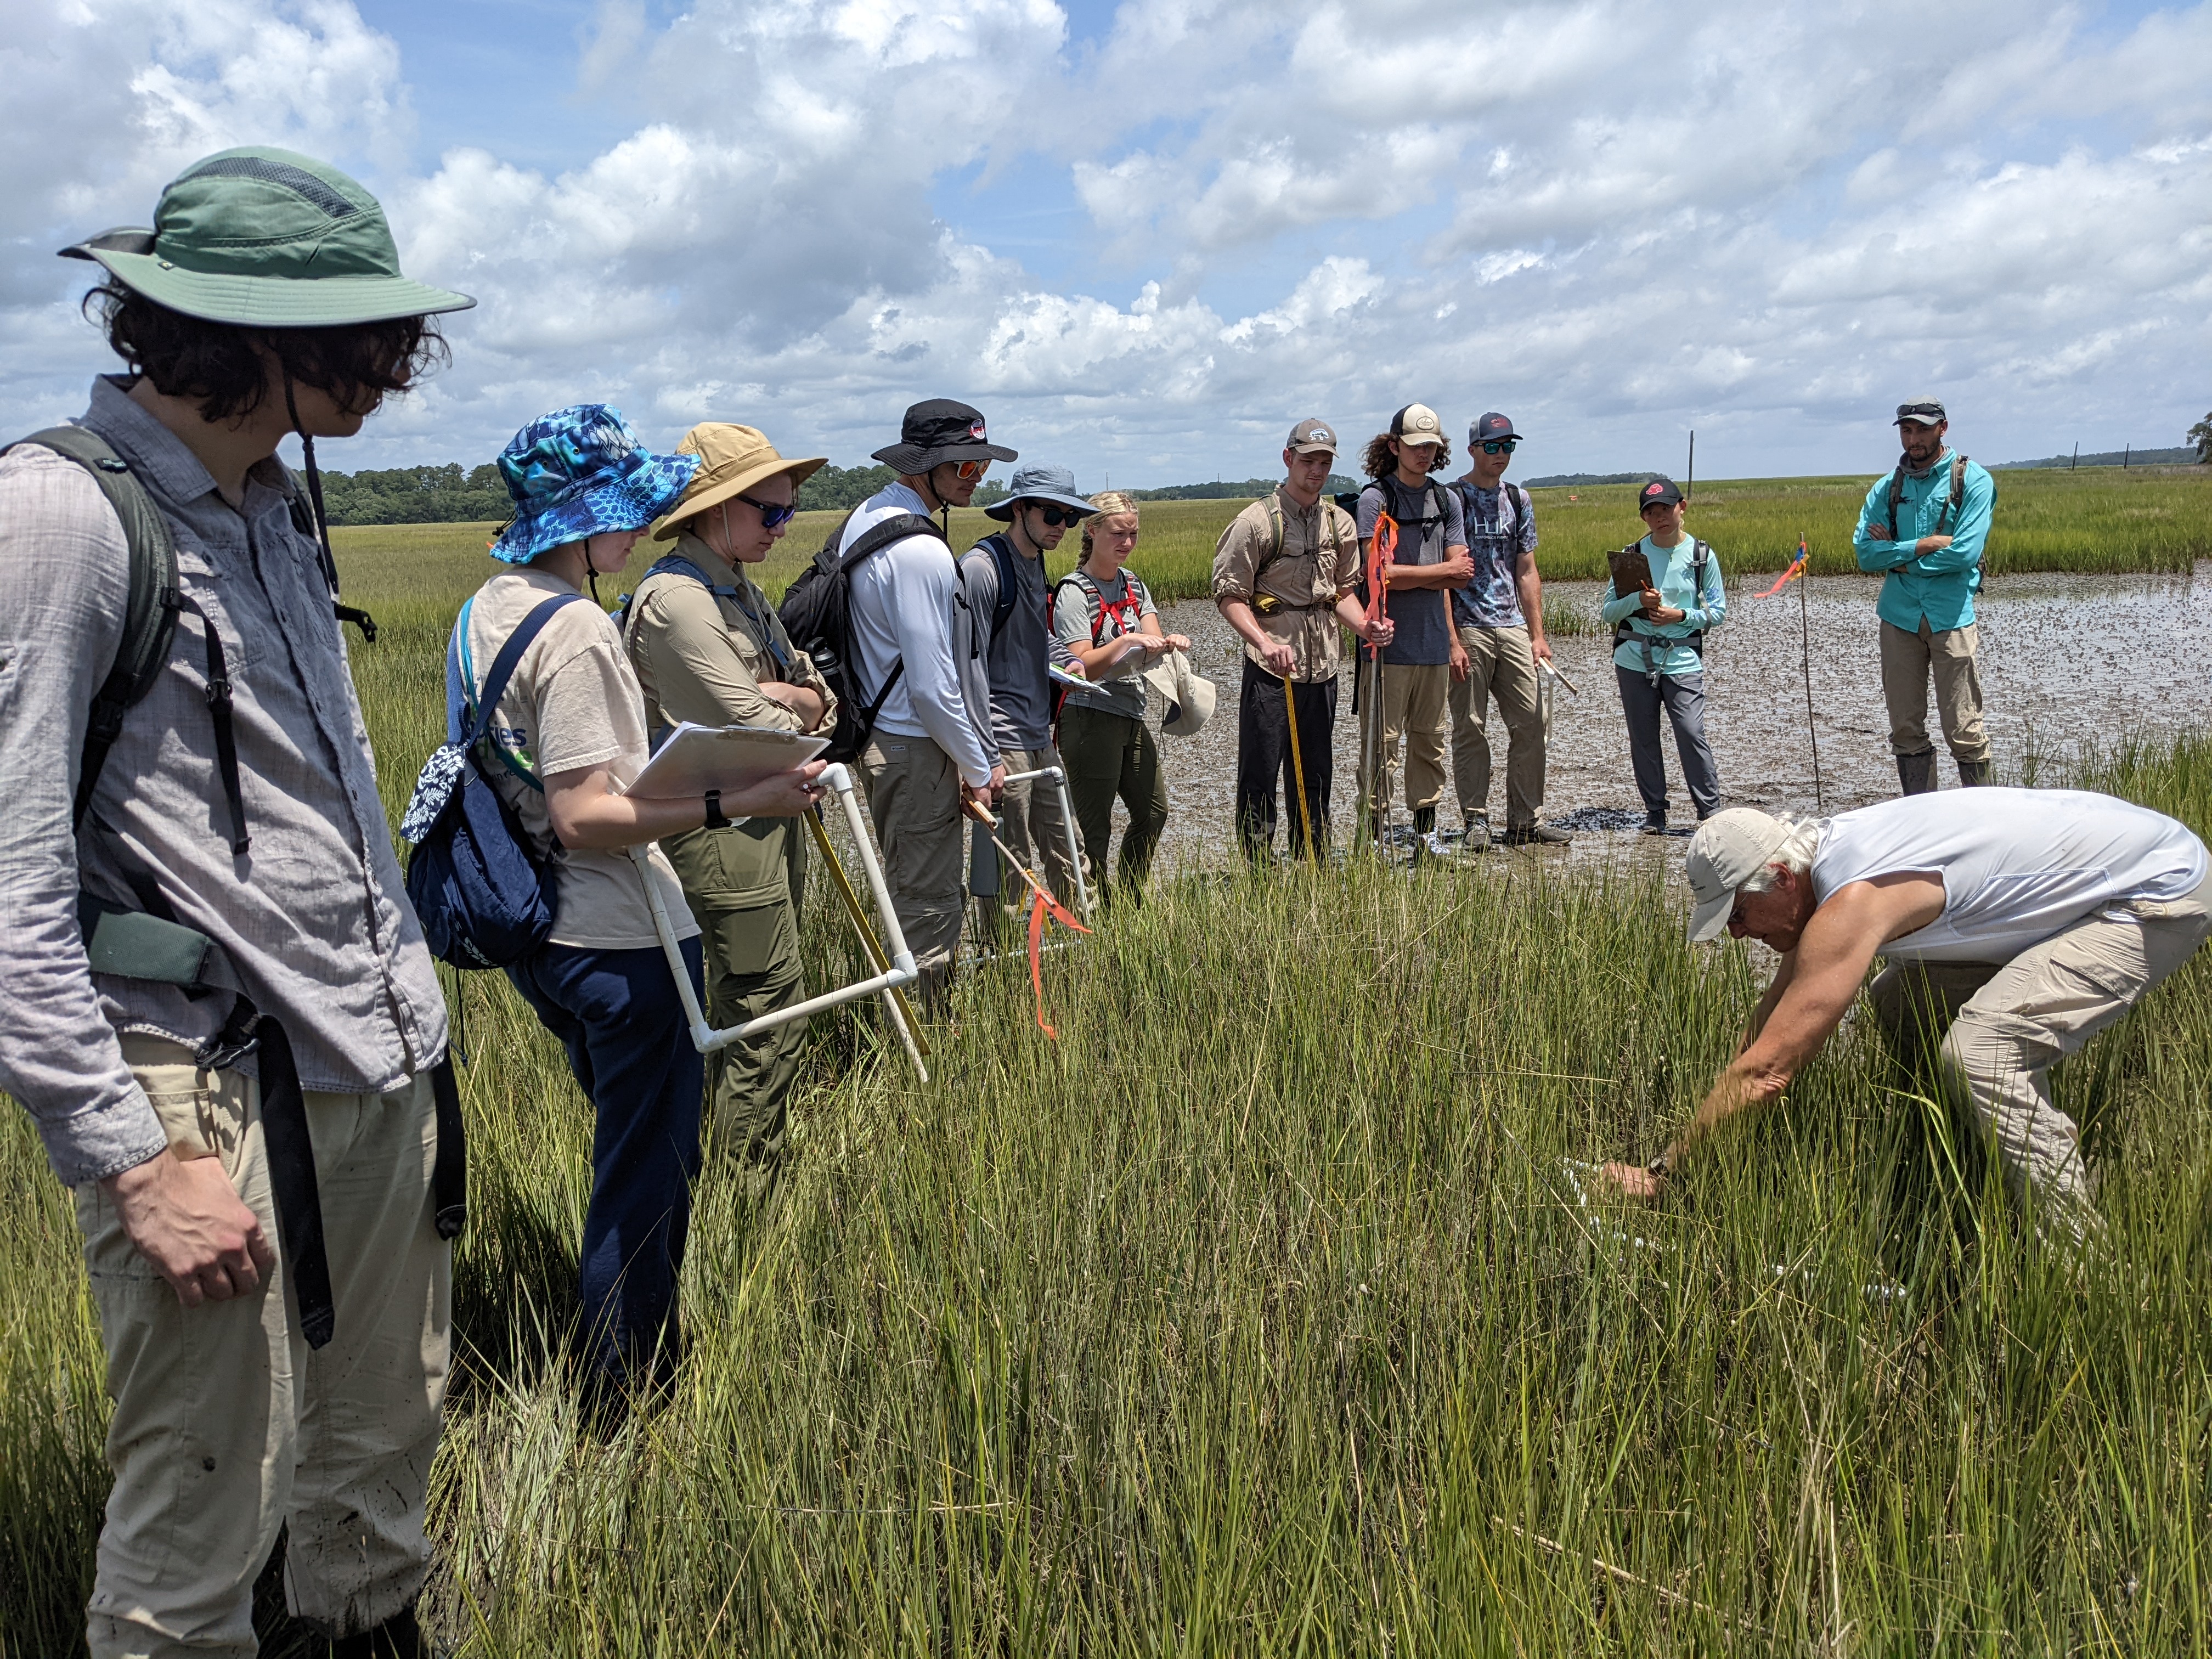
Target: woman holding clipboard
{"points": [[568, 735], [708, 648]]}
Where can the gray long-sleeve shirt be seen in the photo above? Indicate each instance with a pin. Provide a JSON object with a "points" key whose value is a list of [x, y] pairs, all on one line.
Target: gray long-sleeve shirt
{"points": [[312, 916]]}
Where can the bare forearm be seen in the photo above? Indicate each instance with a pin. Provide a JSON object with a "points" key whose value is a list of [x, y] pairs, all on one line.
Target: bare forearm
{"points": [[1531, 600], [1238, 615]]}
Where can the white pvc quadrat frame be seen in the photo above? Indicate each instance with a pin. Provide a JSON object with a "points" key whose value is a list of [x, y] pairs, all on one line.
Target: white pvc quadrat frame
{"points": [[838, 781], [1067, 821]]}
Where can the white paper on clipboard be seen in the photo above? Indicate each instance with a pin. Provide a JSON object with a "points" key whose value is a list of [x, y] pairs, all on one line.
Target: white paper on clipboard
{"points": [[697, 758]]}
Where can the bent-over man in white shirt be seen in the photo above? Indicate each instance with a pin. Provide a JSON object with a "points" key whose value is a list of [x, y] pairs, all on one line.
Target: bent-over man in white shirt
{"points": [[2018, 923], [931, 746]]}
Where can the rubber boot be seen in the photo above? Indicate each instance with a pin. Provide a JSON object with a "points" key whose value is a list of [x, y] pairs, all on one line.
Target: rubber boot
{"points": [[1917, 773], [1425, 819], [1976, 775]]}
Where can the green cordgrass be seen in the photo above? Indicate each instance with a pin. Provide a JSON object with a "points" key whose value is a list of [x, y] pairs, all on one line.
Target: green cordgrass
{"points": [[1253, 1316]]}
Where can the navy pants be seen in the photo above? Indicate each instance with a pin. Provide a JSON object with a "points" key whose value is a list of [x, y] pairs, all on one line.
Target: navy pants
{"points": [[617, 1014], [1684, 699]]}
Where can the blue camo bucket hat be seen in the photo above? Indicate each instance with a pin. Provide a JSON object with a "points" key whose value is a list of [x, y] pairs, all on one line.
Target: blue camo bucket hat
{"points": [[578, 471]]}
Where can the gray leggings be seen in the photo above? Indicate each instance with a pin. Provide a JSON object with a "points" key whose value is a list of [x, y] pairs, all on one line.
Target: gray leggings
{"points": [[1684, 702]]}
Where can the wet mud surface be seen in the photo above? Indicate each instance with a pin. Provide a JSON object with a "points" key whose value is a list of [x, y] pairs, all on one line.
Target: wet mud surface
{"points": [[2067, 663]]}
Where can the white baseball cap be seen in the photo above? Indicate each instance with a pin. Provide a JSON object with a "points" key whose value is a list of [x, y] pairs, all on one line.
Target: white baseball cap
{"points": [[1417, 423], [1729, 849]]}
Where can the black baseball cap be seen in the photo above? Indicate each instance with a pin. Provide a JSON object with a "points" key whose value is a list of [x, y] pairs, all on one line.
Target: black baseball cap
{"points": [[1927, 411], [1658, 492], [1489, 428]]}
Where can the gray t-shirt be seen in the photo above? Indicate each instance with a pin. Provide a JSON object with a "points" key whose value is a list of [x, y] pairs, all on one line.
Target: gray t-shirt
{"points": [[1128, 602], [1014, 660], [1424, 630]]}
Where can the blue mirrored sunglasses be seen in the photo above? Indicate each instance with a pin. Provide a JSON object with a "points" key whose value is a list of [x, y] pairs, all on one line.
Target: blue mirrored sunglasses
{"points": [[771, 513], [1500, 446]]}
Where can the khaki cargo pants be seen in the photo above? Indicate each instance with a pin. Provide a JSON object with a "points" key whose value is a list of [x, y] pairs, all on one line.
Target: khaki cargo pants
{"points": [[2009, 1022], [1037, 831], [1949, 655], [913, 796], [227, 1425], [1502, 664], [1415, 698], [746, 886]]}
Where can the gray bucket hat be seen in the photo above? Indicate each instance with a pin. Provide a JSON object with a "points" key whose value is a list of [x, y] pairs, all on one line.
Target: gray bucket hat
{"points": [[1055, 485], [267, 238]]}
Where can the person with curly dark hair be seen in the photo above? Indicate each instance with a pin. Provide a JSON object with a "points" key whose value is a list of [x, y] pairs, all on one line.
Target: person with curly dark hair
{"points": [[258, 1118], [1424, 655]]}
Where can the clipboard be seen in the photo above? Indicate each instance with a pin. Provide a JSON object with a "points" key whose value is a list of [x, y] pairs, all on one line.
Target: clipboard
{"points": [[697, 758], [1631, 571]]}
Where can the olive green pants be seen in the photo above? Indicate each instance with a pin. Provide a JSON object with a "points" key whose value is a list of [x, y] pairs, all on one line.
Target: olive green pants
{"points": [[745, 885], [1111, 757]]}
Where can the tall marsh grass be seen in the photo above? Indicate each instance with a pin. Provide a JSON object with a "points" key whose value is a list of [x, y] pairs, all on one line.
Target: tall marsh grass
{"points": [[1257, 1315]]}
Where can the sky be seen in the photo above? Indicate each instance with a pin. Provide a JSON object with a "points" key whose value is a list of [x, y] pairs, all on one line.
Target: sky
{"points": [[1145, 238]]}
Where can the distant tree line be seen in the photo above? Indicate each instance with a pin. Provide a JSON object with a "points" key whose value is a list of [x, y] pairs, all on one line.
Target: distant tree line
{"points": [[415, 494], [1245, 490]]}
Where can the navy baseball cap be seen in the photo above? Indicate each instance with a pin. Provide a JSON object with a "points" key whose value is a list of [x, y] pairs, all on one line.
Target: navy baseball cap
{"points": [[1659, 492], [1489, 428]]}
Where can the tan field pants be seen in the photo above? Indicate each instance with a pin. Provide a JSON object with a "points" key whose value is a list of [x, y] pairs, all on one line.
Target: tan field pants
{"points": [[913, 796], [228, 1425], [2009, 1022], [1907, 662], [1414, 701], [1502, 664], [1036, 830]]}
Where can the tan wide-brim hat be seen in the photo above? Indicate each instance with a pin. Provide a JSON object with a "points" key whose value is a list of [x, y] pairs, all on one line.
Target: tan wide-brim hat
{"points": [[1189, 698], [732, 461]]}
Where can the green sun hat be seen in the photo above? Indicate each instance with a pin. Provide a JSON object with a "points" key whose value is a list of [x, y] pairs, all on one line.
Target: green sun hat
{"points": [[270, 239]]}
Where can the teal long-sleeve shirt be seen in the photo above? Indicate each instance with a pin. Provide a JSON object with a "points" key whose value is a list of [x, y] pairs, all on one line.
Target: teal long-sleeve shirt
{"points": [[1673, 573], [1939, 587]]}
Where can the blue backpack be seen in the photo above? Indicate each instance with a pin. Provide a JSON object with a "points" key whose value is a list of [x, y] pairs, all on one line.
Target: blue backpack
{"points": [[484, 899]]}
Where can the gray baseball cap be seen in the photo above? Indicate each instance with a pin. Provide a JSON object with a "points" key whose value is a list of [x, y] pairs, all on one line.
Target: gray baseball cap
{"points": [[1927, 412], [1729, 849]]}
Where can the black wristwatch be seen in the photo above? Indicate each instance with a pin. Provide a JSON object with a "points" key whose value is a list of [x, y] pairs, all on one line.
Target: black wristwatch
{"points": [[714, 818]]}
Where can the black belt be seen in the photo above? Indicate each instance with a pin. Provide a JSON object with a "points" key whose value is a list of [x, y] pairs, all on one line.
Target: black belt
{"points": [[135, 945]]}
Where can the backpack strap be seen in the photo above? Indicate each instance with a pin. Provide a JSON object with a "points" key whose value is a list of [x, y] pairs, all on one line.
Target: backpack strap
{"points": [[678, 564], [479, 706], [149, 624], [896, 528], [1000, 546], [1949, 516]]}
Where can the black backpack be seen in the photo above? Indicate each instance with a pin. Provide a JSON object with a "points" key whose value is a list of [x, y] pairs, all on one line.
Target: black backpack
{"points": [[1623, 632], [1001, 547], [817, 612]]}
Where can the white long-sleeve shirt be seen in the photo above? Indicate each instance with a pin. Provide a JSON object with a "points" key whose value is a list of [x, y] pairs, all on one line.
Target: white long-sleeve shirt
{"points": [[907, 606]]}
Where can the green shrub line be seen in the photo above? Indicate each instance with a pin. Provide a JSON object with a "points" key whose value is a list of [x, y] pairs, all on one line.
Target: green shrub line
{"points": [[1257, 1314]]}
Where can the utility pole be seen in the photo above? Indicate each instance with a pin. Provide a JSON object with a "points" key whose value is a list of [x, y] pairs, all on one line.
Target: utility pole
{"points": [[2127, 454], [1690, 479], [2077, 461]]}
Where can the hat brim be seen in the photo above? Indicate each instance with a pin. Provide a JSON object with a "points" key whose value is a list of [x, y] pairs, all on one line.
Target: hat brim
{"points": [[909, 460], [1004, 511], [1920, 420], [1710, 919], [1311, 449], [631, 502], [715, 494], [274, 302]]}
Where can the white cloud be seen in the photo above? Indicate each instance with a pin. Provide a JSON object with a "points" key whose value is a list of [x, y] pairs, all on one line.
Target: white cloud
{"points": [[1612, 219]]}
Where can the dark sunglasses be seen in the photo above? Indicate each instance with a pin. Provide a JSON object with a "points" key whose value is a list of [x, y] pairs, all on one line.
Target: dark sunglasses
{"points": [[771, 514], [1500, 446], [1056, 516]]}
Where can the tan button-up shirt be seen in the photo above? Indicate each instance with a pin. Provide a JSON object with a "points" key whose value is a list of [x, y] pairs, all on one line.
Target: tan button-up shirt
{"points": [[1317, 565], [703, 657]]}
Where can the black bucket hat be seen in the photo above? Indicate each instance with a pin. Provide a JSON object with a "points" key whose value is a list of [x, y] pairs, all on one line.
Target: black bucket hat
{"points": [[938, 430]]}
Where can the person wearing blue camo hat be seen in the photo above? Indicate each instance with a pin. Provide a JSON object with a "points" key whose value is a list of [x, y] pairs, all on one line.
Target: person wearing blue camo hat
{"points": [[568, 735]]}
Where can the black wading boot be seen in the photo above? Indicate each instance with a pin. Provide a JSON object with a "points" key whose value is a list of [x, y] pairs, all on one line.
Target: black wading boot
{"points": [[1916, 774], [1976, 775], [397, 1637]]}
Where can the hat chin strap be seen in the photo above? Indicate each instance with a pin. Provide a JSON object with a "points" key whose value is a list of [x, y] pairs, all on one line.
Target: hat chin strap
{"points": [[353, 614]]}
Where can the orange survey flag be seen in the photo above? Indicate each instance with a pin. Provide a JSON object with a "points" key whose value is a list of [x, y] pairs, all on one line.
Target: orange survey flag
{"points": [[1797, 567]]}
